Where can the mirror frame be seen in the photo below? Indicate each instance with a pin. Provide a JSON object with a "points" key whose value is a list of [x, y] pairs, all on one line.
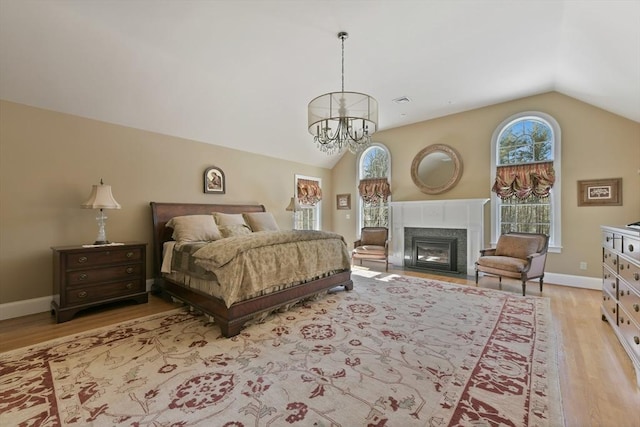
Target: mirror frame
{"points": [[457, 168]]}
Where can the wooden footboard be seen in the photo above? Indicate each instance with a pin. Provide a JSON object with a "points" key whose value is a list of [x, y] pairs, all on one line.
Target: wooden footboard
{"points": [[231, 319]]}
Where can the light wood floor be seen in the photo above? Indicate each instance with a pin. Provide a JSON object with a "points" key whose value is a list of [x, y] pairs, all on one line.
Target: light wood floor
{"points": [[596, 376]]}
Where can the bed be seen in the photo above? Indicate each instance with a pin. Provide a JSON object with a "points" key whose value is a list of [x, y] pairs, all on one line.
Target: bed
{"points": [[231, 318]]}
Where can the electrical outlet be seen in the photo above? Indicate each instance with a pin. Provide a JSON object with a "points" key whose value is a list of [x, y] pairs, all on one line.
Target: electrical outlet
{"points": [[348, 216], [583, 265]]}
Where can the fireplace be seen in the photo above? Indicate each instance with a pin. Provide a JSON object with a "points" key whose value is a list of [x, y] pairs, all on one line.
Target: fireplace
{"points": [[438, 249], [434, 253]]}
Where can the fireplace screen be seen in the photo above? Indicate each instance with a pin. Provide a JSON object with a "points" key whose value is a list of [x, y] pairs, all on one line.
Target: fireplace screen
{"points": [[438, 253]]}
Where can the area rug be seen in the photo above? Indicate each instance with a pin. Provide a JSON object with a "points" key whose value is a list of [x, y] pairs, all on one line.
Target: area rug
{"points": [[395, 351]]}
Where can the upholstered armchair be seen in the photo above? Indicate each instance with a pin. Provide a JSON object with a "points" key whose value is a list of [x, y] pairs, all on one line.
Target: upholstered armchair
{"points": [[516, 255], [373, 245]]}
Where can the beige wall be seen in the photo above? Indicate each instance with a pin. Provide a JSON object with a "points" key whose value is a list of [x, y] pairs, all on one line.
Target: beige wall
{"points": [[48, 162], [595, 144]]}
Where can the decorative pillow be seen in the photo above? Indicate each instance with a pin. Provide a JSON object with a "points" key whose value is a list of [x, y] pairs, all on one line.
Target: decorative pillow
{"points": [[516, 246], [223, 219], [194, 228], [261, 221], [234, 230]]}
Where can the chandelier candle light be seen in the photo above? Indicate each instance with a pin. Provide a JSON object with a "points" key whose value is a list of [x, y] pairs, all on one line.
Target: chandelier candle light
{"points": [[342, 119], [101, 198]]}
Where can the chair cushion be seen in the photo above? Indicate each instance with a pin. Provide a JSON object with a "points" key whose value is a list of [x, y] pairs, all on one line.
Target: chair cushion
{"points": [[373, 237], [517, 265], [517, 246], [370, 250]]}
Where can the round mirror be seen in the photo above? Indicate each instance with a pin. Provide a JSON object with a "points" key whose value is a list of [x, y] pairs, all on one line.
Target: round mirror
{"points": [[436, 169]]}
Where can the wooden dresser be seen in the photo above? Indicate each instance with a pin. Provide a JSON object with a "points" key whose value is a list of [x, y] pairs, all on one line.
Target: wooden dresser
{"points": [[84, 277], [621, 287]]}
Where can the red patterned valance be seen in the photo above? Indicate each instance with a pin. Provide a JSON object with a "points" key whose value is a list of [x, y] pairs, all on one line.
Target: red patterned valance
{"points": [[523, 181], [309, 192], [374, 190]]}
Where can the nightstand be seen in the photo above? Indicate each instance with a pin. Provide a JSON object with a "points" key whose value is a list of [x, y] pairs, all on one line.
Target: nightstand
{"points": [[84, 277]]}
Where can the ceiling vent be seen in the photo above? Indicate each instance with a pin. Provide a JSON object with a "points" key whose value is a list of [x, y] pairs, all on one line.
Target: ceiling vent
{"points": [[402, 100]]}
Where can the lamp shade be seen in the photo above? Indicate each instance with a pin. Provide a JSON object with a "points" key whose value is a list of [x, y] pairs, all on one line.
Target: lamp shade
{"points": [[293, 205], [101, 198]]}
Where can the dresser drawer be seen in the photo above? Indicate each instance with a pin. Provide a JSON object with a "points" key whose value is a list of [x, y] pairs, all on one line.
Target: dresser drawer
{"points": [[611, 240], [610, 307], [100, 292], [629, 272], [629, 300], [609, 282], [631, 247], [104, 257], [103, 274], [631, 333], [610, 259]]}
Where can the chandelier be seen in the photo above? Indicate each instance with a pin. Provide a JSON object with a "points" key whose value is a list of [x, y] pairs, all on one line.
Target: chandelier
{"points": [[340, 120]]}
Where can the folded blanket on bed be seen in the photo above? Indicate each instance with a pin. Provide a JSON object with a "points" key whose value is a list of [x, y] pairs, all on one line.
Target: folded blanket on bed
{"points": [[248, 264]]}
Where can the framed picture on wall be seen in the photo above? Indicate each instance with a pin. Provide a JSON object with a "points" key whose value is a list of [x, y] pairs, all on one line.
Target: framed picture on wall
{"points": [[214, 181], [343, 201], [600, 192]]}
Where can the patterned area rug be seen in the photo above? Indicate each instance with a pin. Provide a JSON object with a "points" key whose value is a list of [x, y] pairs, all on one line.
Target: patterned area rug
{"points": [[395, 351]]}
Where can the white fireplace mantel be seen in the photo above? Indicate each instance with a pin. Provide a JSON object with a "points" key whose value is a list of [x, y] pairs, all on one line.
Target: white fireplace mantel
{"points": [[456, 213]]}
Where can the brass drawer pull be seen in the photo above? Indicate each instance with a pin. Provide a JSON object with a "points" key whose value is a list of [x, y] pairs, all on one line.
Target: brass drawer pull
{"points": [[636, 307], [630, 248], [82, 294], [82, 259], [621, 267], [129, 285], [608, 238], [615, 261], [83, 276], [636, 276], [129, 270], [129, 254], [636, 340]]}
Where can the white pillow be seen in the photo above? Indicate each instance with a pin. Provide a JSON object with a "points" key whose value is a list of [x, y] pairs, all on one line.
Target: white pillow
{"points": [[194, 228], [261, 221], [223, 219]]}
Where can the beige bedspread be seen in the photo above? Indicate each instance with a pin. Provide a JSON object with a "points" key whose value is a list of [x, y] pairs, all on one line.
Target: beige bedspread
{"points": [[246, 265]]}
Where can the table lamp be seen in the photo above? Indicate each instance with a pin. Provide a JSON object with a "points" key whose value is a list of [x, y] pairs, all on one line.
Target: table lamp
{"points": [[101, 198]]}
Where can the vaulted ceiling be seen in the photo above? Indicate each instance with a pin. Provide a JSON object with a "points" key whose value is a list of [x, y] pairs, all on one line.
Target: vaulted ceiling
{"points": [[241, 73]]}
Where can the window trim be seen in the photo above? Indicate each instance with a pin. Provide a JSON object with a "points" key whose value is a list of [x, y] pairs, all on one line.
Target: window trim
{"points": [[555, 238], [358, 202]]}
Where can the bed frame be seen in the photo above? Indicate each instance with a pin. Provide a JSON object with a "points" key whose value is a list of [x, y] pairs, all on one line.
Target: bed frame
{"points": [[230, 319]]}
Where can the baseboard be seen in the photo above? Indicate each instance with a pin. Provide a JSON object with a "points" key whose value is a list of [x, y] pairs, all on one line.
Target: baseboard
{"points": [[32, 306], [39, 305], [574, 281]]}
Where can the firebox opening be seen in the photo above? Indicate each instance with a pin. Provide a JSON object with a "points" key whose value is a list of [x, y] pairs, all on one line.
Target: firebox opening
{"points": [[434, 253]]}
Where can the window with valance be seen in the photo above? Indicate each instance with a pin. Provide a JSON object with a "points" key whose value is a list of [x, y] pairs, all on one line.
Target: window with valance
{"points": [[526, 166], [374, 174]]}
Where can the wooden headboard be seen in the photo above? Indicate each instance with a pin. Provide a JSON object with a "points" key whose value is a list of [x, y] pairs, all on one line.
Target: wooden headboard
{"points": [[161, 213]]}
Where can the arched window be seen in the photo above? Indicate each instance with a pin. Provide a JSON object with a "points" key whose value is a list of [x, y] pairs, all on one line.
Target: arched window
{"points": [[374, 173], [525, 165]]}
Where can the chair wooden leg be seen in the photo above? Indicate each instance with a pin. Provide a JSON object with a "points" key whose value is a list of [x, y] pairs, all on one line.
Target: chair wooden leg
{"points": [[524, 286], [500, 282], [541, 284], [476, 277]]}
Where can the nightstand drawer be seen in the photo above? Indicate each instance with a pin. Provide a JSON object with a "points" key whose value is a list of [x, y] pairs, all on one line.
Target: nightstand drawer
{"points": [[105, 257], [609, 281], [103, 274], [631, 247], [104, 291]]}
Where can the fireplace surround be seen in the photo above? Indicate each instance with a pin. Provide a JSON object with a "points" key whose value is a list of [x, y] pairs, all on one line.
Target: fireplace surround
{"points": [[461, 214]]}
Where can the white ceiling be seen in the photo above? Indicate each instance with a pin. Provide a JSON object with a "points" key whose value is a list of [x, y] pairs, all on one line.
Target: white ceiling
{"points": [[241, 73]]}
